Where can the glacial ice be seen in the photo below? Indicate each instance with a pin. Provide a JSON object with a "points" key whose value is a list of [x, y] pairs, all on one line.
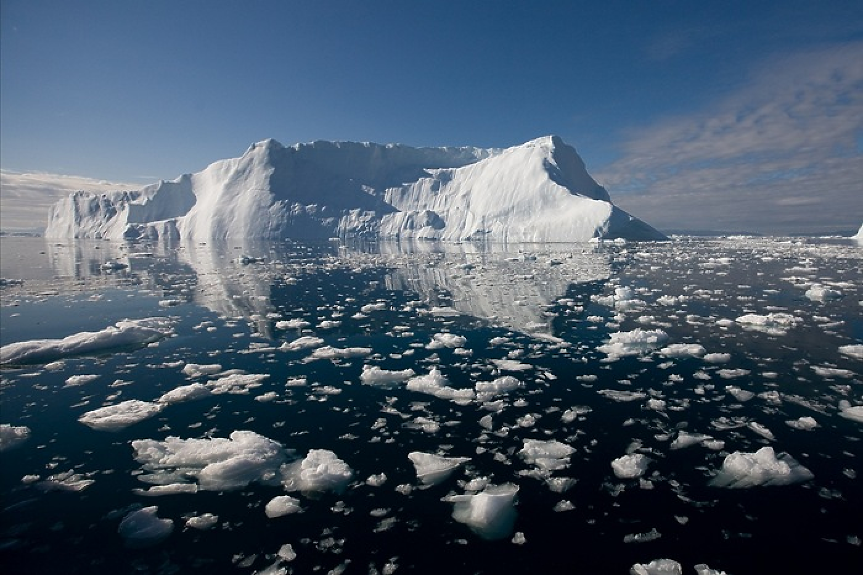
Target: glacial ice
{"points": [[143, 528], [320, 470], [657, 567], [490, 514], [121, 415], [282, 505], [219, 464], [741, 470], [432, 469], [12, 435], [124, 334], [538, 191], [630, 466], [635, 342]]}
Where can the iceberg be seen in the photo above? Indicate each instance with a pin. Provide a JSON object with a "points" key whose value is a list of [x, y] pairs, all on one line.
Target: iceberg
{"points": [[490, 514], [742, 470], [539, 191]]}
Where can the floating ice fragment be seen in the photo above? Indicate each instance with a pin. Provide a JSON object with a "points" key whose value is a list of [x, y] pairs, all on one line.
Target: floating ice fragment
{"points": [[490, 514], [803, 423], [185, 393], [822, 293], [196, 370], [436, 384], [683, 350], [329, 352], [12, 436], [486, 390], [217, 463], [773, 323], [374, 375], [657, 567], [651, 535], [169, 489], [717, 357], [854, 350], [142, 528], [854, 413], [121, 415], [304, 342], [635, 342], [441, 340], [320, 470], [124, 334], [66, 481], [282, 505], [295, 323], [742, 470], [548, 455], [433, 469], [202, 522], [630, 466], [76, 380], [703, 569]]}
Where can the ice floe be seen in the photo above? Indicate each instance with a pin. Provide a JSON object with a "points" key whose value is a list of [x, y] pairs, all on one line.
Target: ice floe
{"points": [[121, 415], [432, 469], [741, 470], [635, 342], [124, 334], [630, 466], [490, 514], [773, 323], [12, 435], [282, 505], [320, 470], [218, 464], [143, 528]]}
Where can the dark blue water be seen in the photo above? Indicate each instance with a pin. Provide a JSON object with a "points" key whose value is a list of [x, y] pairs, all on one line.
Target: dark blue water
{"points": [[553, 305]]}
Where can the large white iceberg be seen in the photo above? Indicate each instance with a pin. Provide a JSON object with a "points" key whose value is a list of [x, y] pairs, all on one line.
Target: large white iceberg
{"points": [[538, 191], [490, 514]]}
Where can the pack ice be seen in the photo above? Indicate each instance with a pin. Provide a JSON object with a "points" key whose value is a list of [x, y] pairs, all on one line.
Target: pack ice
{"points": [[538, 191]]}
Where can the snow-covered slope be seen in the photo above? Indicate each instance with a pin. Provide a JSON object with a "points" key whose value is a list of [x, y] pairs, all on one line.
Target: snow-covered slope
{"points": [[539, 191]]}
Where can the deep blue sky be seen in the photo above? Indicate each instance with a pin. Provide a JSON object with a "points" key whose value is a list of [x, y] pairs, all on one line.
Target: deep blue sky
{"points": [[137, 91]]}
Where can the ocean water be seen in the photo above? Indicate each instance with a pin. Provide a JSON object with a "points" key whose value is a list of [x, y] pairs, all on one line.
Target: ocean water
{"points": [[540, 364]]}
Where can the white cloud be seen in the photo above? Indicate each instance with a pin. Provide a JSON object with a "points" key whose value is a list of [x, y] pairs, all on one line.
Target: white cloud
{"points": [[26, 197], [780, 155]]}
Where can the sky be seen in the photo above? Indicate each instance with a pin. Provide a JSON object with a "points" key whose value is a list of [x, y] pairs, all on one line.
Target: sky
{"points": [[734, 116]]}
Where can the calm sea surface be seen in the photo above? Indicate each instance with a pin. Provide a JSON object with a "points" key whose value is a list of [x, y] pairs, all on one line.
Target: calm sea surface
{"points": [[584, 345]]}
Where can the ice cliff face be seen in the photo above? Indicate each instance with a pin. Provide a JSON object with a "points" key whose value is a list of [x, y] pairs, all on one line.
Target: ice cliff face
{"points": [[539, 191]]}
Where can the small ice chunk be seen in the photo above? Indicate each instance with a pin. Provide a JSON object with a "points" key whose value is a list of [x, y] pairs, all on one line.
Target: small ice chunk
{"points": [[804, 423], [332, 353], [548, 455], [630, 466], [703, 569], [168, 489], [374, 375], [196, 370], [185, 393], [450, 340], [854, 413], [853, 350], [143, 528], [121, 415], [320, 470], [76, 380], [486, 390], [433, 469], [304, 342], [282, 505], [12, 436], [742, 470], [818, 292], [490, 514], [635, 342], [683, 350], [772, 323], [657, 567], [202, 522]]}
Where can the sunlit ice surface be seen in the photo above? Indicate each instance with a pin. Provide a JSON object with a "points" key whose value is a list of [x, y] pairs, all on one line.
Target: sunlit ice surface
{"points": [[418, 407]]}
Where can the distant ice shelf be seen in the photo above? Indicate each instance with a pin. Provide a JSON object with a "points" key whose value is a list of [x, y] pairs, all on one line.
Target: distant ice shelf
{"points": [[539, 191]]}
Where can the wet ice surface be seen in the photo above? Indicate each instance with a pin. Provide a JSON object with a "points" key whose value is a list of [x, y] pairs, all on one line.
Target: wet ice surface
{"points": [[414, 409]]}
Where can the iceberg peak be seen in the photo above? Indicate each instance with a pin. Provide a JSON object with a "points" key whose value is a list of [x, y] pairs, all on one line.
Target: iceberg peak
{"points": [[537, 191]]}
